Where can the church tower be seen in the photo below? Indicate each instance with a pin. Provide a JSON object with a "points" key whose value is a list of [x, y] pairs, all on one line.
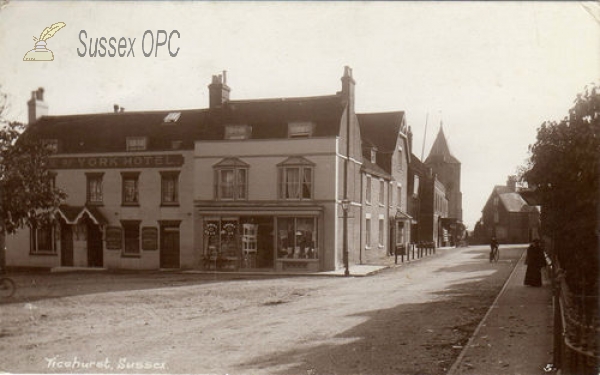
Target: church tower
{"points": [[447, 168]]}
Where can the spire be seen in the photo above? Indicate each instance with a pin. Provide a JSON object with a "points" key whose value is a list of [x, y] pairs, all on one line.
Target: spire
{"points": [[440, 149]]}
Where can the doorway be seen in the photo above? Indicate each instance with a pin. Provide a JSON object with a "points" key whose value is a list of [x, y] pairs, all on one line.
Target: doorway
{"points": [[169, 246], [94, 245], [66, 244]]}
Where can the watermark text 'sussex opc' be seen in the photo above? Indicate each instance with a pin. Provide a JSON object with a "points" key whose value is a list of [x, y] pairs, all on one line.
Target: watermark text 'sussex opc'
{"points": [[152, 44]]}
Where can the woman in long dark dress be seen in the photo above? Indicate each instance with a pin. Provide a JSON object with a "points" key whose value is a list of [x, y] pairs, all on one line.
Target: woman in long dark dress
{"points": [[535, 262]]}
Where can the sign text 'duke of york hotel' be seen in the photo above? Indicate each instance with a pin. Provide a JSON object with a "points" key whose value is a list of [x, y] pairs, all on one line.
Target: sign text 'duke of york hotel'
{"points": [[106, 162]]}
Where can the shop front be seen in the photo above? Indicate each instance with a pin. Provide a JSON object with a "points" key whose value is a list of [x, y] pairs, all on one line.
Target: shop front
{"points": [[267, 241]]}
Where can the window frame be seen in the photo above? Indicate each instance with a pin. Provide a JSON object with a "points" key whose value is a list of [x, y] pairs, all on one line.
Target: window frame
{"points": [[34, 239], [368, 190], [239, 187], [381, 233], [131, 227], [381, 197], [368, 228], [135, 176], [305, 185], [166, 176], [301, 129], [130, 147], [90, 177]]}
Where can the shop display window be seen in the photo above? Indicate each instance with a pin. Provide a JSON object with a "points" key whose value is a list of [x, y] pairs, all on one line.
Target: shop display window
{"points": [[297, 238]]}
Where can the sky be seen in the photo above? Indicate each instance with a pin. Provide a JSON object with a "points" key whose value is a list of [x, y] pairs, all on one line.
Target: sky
{"points": [[491, 72]]}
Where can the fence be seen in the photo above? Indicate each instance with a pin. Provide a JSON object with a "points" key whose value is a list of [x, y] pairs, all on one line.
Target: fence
{"points": [[577, 331], [414, 251]]}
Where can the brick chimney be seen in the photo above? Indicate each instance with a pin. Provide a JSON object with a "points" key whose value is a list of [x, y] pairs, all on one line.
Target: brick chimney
{"points": [[511, 183], [36, 105], [348, 85], [218, 91]]}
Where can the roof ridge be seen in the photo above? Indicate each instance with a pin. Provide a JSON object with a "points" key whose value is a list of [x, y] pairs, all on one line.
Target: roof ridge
{"points": [[282, 99]]}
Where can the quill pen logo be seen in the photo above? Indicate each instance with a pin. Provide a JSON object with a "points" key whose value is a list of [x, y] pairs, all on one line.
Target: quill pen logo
{"points": [[40, 52]]}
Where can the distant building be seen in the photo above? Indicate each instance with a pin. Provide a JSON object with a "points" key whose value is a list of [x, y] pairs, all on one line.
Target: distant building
{"points": [[447, 168], [508, 217]]}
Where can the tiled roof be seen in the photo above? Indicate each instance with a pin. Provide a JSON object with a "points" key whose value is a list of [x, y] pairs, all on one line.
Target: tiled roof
{"points": [[106, 132], [380, 129], [269, 118], [374, 169], [511, 200]]}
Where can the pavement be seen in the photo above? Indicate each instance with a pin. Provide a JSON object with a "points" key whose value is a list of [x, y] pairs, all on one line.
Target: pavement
{"points": [[515, 336]]}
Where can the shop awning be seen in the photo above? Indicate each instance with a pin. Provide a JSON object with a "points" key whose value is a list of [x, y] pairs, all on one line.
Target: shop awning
{"points": [[73, 214]]}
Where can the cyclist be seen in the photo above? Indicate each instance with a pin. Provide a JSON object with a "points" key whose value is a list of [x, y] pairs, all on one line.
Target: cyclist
{"points": [[493, 248]]}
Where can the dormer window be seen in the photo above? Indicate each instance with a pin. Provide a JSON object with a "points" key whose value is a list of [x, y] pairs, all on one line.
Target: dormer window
{"points": [[301, 129], [51, 145], [136, 143], [374, 155], [172, 117], [238, 131]]}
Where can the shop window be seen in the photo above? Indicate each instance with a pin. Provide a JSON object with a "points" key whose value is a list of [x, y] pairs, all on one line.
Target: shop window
{"points": [[296, 179], [222, 238], [297, 238], [42, 239], [130, 188], [131, 235], [170, 188], [94, 188], [136, 143], [231, 179]]}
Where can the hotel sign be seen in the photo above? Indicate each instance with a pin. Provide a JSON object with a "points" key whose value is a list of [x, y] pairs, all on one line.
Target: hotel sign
{"points": [[116, 162]]}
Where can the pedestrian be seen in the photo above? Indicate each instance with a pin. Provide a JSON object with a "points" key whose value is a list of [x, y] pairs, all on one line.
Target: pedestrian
{"points": [[535, 261]]}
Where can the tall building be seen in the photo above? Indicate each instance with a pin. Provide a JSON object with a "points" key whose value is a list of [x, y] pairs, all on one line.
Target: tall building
{"points": [[447, 168]]}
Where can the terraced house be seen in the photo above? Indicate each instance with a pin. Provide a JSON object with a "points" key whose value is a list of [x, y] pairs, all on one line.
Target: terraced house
{"points": [[240, 185]]}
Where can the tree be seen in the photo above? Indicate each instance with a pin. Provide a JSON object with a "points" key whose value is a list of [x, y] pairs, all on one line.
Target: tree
{"points": [[564, 169], [28, 196]]}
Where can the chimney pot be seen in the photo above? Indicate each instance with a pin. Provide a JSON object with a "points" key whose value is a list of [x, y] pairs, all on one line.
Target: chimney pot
{"points": [[116, 108], [36, 106], [122, 109]]}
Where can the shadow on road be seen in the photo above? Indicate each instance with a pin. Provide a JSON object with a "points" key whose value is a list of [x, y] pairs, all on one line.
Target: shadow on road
{"points": [[423, 338]]}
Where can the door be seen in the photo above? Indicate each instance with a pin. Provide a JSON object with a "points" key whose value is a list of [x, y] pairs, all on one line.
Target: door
{"points": [[66, 245], [266, 239], [169, 246], [94, 245]]}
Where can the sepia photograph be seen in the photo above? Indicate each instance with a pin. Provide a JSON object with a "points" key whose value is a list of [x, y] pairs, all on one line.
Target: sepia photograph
{"points": [[300, 187]]}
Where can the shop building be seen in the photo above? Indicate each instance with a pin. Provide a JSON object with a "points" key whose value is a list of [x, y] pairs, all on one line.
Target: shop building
{"points": [[269, 181]]}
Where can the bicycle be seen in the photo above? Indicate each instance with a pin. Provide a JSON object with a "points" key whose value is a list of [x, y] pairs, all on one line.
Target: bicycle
{"points": [[494, 254], [7, 287]]}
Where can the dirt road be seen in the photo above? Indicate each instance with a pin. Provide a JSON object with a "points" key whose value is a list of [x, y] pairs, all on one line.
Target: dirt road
{"points": [[408, 320]]}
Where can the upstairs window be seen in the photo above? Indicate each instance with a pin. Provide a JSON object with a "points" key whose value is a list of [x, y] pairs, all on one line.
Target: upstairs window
{"points": [[381, 193], [300, 129], [169, 188], [136, 143], [400, 157], [374, 155], [130, 188], [238, 131], [94, 188], [416, 186], [368, 191], [296, 179], [231, 179]]}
